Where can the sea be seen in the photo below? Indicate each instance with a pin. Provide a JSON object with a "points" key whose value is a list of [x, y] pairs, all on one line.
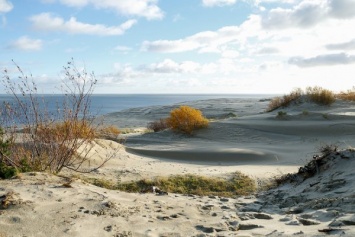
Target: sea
{"points": [[102, 104]]}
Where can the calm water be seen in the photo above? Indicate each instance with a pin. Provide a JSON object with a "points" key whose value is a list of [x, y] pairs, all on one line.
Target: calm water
{"points": [[103, 104]]}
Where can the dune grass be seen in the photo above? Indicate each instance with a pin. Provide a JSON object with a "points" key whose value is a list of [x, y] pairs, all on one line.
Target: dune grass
{"points": [[320, 95], [285, 101], [239, 184], [315, 94], [348, 95]]}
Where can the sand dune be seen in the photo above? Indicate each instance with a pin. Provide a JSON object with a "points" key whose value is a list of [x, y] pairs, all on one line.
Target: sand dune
{"points": [[242, 137]]}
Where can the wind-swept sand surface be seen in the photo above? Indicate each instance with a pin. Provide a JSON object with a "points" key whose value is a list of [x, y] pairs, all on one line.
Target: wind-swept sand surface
{"points": [[242, 137]]}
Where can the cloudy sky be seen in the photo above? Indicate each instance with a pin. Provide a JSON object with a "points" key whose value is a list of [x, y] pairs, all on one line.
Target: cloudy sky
{"points": [[184, 46]]}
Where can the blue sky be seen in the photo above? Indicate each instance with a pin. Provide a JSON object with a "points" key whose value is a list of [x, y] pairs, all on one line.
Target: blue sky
{"points": [[183, 46]]}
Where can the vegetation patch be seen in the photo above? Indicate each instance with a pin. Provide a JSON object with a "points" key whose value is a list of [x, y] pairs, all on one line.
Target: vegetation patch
{"points": [[158, 125], [239, 184], [305, 112], [320, 95], [281, 114], [348, 95], [108, 132], [318, 164], [186, 120], [285, 101], [49, 140], [315, 94]]}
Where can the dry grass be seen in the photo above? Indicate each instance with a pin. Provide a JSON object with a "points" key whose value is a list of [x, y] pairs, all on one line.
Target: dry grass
{"points": [[285, 101], [315, 94], [320, 95], [108, 132], [67, 129], [348, 95], [239, 184]]}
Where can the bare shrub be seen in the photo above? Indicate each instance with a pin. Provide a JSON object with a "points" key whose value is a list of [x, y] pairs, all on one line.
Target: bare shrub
{"points": [[186, 119], [158, 125], [320, 95], [50, 140]]}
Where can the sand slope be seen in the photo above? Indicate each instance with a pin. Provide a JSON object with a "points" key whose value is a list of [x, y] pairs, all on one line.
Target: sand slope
{"points": [[253, 137], [256, 143], [38, 204]]}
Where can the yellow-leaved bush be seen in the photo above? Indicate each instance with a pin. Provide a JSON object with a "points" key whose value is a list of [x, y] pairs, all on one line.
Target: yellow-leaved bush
{"points": [[186, 119]]}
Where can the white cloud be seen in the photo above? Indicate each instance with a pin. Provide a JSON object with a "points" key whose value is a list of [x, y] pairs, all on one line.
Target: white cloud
{"points": [[219, 3], [350, 45], [207, 41], [122, 48], [303, 31], [268, 50], [211, 41], [309, 13], [306, 14], [5, 6], [169, 46], [27, 44], [75, 50], [170, 66], [342, 8], [142, 8], [276, 1], [212, 3], [48, 22], [323, 60]]}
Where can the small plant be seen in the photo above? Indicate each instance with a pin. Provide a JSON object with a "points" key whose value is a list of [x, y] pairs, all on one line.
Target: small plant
{"points": [[186, 119], [305, 112], [6, 169], [325, 116], [158, 125], [281, 114]]}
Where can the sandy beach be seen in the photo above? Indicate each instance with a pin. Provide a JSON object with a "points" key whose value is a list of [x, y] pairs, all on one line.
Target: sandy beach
{"points": [[241, 137]]}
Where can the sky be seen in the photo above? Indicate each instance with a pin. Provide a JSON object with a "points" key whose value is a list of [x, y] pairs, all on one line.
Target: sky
{"points": [[182, 46]]}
